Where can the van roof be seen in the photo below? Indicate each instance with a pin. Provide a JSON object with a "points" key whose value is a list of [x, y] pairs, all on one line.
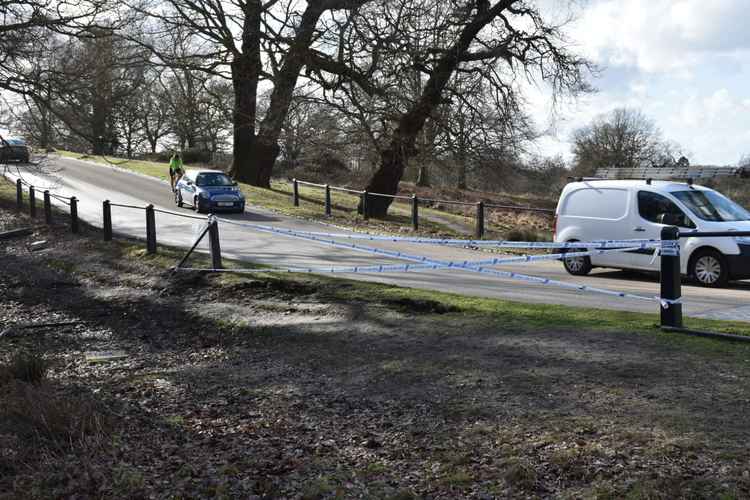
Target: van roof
{"points": [[667, 186]]}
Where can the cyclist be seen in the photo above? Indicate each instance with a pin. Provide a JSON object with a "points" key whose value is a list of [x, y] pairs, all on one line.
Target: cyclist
{"points": [[175, 169]]}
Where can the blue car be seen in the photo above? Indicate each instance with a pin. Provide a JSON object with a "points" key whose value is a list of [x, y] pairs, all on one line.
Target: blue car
{"points": [[14, 149], [209, 191]]}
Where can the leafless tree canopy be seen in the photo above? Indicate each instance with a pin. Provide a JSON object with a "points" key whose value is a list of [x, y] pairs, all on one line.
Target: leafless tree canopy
{"points": [[623, 138], [26, 28], [423, 84]]}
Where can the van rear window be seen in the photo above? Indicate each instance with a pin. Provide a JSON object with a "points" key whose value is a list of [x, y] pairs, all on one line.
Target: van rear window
{"points": [[593, 203]]}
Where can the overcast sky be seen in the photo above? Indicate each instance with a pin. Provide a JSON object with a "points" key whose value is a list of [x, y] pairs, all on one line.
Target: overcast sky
{"points": [[685, 63]]}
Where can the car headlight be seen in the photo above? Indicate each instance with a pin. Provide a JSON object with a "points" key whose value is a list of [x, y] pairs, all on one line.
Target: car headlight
{"points": [[204, 194]]}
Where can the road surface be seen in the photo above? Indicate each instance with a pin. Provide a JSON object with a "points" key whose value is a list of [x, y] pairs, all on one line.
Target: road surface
{"points": [[93, 183]]}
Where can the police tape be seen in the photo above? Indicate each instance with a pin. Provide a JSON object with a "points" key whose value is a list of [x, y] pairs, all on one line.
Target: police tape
{"points": [[665, 303], [425, 263], [438, 264], [640, 244]]}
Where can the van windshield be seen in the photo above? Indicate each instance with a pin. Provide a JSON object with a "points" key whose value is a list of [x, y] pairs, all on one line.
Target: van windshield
{"points": [[712, 206]]}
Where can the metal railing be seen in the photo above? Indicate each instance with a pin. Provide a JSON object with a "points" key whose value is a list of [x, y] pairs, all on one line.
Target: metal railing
{"points": [[414, 200]]}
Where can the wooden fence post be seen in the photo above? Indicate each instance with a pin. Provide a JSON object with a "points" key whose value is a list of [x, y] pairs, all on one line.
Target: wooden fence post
{"points": [[107, 220], [295, 192], [479, 230], [74, 215], [214, 244], [19, 194], [328, 200], [365, 211], [150, 230], [415, 212], [47, 208], [32, 202]]}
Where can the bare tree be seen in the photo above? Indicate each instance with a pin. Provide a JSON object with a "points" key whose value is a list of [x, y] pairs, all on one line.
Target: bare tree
{"points": [[500, 42], [95, 79], [624, 138], [154, 116], [237, 35], [26, 28]]}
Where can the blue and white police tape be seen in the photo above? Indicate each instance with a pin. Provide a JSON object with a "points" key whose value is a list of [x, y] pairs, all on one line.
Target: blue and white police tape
{"points": [[437, 264], [424, 264], [640, 244], [665, 303]]}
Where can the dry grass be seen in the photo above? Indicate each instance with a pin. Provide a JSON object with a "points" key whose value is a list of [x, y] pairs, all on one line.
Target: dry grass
{"points": [[37, 418], [25, 367], [40, 415]]}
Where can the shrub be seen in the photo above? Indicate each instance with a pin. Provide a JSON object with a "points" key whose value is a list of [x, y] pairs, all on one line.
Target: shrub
{"points": [[39, 416], [26, 367], [522, 234]]}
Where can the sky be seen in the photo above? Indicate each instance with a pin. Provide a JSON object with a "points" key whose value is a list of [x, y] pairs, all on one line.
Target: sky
{"points": [[684, 63]]}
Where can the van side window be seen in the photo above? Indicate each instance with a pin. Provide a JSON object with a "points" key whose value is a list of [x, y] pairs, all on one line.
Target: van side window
{"points": [[661, 210], [610, 204]]}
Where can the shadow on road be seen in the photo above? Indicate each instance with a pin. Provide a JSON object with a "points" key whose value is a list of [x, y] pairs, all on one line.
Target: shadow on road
{"points": [[632, 276]]}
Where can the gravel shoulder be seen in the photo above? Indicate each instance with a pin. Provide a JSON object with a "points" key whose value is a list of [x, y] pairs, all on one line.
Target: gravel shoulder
{"points": [[263, 387]]}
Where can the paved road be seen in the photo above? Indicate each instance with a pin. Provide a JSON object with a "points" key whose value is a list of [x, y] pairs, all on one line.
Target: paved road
{"points": [[92, 183]]}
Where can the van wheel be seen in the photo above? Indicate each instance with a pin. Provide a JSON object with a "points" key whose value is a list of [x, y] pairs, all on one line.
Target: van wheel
{"points": [[577, 266], [709, 268]]}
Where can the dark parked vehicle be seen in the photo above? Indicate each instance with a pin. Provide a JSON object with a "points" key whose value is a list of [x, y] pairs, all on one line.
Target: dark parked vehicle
{"points": [[14, 149]]}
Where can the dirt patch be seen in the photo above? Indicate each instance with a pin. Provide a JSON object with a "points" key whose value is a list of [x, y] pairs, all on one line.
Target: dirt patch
{"points": [[419, 306], [263, 388]]}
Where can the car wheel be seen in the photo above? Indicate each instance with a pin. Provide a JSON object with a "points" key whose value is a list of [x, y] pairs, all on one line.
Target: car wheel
{"points": [[577, 266], [709, 268], [25, 159]]}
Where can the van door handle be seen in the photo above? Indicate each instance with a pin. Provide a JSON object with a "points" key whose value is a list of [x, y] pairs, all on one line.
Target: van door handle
{"points": [[639, 230]]}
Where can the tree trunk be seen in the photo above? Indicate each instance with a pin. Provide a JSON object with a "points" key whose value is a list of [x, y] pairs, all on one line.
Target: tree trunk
{"points": [[461, 182], [423, 178], [385, 180], [461, 163], [267, 143], [246, 68]]}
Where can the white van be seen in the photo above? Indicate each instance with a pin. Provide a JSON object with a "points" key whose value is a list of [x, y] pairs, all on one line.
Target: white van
{"points": [[639, 209]]}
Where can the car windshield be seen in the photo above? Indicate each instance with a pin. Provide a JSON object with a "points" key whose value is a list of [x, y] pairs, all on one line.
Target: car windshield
{"points": [[213, 179], [15, 142], [712, 206]]}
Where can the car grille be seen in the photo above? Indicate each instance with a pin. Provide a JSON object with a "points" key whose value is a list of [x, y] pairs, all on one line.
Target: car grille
{"points": [[224, 197]]}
